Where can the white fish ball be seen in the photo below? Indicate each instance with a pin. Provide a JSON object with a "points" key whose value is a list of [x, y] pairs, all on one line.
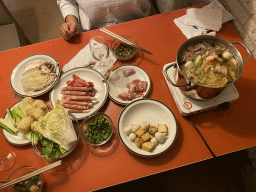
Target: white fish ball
{"points": [[134, 127], [127, 130], [132, 137], [160, 137], [153, 140]]}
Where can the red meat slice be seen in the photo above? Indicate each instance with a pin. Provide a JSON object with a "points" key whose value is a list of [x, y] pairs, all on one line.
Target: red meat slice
{"points": [[81, 103], [68, 106], [78, 98], [78, 82], [77, 88], [136, 89], [128, 72], [77, 93], [137, 86]]}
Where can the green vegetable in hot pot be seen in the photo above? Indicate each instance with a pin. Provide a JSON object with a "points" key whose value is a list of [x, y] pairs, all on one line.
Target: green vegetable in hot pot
{"points": [[98, 130]]}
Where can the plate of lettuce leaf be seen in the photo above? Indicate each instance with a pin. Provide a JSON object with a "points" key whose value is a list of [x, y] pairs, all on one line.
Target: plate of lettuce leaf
{"points": [[58, 133]]}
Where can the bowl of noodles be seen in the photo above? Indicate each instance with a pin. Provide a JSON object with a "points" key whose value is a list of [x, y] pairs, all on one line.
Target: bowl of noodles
{"points": [[206, 65]]}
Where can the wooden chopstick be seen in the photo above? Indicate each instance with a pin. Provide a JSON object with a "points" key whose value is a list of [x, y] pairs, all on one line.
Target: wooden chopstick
{"points": [[123, 40], [32, 174]]}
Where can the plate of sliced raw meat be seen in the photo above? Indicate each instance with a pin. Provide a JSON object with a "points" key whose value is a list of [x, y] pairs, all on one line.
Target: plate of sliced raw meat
{"points": [[128, 83], [82, 90]]}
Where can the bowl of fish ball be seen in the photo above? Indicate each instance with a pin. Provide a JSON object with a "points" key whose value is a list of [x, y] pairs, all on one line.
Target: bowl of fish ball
{"points": [[123, 51], [33, 184], [97, 129], [145, 135], [52, 150]]}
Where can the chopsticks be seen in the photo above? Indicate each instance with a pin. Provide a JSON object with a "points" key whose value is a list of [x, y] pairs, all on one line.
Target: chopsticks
{"points": [[32, 174], [123, 40]]}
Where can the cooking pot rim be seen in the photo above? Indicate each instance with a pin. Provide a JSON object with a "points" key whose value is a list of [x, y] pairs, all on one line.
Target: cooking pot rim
{"points": [[214, 39]]}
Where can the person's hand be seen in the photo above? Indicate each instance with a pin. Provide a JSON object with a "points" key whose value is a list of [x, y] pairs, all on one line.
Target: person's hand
{"points": [[69, 29]]}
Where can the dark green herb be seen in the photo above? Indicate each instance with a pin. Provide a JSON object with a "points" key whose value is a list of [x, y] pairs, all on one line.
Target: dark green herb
{"points": [[104, 81], [24, 186], [98, 130], [124, 50]]}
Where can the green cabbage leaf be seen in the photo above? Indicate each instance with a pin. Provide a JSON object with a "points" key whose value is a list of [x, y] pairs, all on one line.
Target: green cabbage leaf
{"points": [[57, 126]]}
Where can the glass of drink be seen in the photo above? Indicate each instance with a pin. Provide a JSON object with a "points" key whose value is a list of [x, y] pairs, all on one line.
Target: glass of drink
{"points": [[7, 160], [99, 48]]}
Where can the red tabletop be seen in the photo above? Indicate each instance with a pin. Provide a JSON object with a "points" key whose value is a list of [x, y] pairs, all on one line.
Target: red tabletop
{"points": [[89, 168]]}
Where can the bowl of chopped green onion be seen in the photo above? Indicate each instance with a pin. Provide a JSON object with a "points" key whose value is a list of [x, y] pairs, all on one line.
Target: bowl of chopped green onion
{"points": [[32, 184], [97, 129], [123, 51]]}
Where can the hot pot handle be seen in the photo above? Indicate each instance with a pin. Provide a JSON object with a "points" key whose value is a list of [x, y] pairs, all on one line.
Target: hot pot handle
{"points": [[173, 64], [249, 54]]}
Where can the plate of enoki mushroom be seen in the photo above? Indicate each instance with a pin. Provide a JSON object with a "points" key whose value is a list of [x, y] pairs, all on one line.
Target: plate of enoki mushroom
{"points": [[35, 75]]}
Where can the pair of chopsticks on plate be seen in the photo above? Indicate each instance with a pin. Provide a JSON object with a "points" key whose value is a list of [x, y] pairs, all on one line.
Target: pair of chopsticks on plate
{"points": [[32, 174], [123, 40]]}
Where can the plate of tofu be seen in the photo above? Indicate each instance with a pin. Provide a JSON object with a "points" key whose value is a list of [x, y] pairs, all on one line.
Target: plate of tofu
{"points": [[147, 127]]}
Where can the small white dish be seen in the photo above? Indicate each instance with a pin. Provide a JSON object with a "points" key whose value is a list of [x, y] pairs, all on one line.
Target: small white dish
{"points": [[154, 112], [89, 75], [20, 69], [19, 139], [117, 82]]}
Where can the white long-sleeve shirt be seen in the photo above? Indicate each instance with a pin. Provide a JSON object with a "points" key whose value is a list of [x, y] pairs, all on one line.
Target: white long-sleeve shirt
{"points": [[95, 14]]}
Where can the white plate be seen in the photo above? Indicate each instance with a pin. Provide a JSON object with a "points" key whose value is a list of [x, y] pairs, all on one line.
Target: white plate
{"points": [[117, 82], [18, 139], [90, 75], [19, 70], [154, 112]]}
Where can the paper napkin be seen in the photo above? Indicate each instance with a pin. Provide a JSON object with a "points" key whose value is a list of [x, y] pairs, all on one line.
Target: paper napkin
{"points": [[188, 31], [85, 59], [205, 18]]}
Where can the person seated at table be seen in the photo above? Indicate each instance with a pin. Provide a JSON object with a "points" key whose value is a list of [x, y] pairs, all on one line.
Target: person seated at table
{"points": [[93, 14]]}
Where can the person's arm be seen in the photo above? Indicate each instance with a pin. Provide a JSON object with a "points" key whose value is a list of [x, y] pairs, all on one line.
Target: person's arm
{"points": [[69, 10]]}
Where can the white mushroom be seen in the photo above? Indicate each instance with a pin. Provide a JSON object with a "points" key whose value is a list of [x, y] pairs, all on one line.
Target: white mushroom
{"points": [[127, 130], [134, 127], [160, 137], [132, 137]]}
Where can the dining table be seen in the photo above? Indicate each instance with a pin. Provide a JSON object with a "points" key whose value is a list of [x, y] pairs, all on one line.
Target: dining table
{"points": [[90, 168]]}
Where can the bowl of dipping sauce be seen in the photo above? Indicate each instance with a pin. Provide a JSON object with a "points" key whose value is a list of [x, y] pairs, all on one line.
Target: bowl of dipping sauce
{"points": [[123, 51]]}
